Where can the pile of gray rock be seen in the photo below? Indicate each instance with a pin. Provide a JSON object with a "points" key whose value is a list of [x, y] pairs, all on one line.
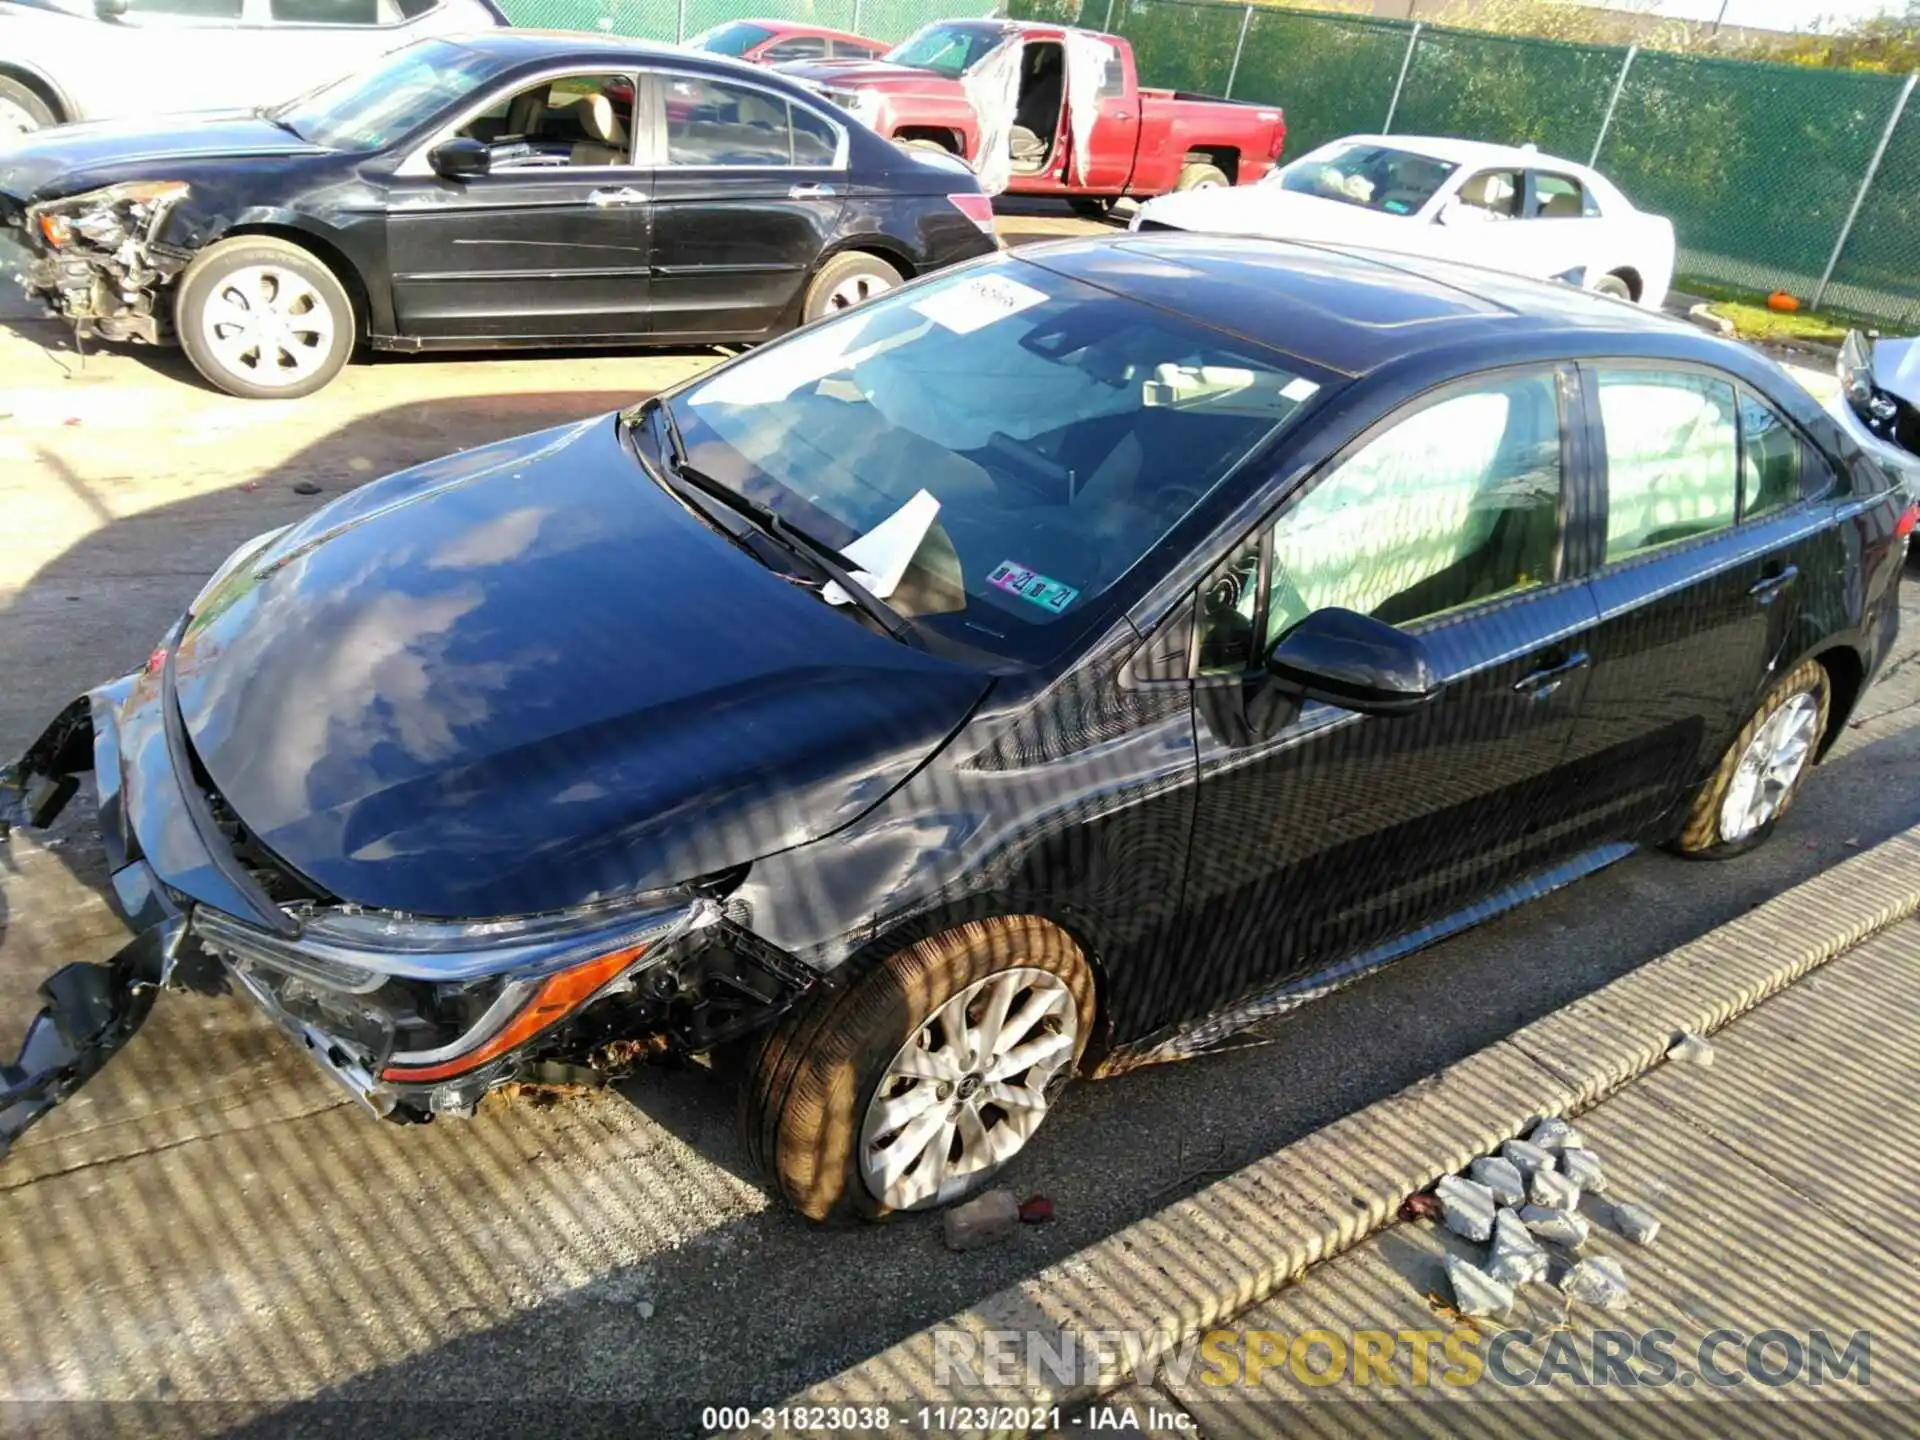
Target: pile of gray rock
{"points": [[1525, 1199]]}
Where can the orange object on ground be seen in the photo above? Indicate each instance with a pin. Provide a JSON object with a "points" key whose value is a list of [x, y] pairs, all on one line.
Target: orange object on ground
{"points": [[1782, 301]]}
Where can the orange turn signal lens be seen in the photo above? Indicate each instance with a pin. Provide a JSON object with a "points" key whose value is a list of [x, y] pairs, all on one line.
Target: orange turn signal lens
{"points": [[559, 995], [54, 229]]}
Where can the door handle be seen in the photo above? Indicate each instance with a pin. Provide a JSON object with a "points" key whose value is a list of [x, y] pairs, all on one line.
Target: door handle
{"points": [[810, 192], [1548, 678], [1768, 590], [625, 195]]}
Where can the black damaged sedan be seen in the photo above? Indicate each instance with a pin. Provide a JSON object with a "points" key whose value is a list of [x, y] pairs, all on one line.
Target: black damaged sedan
{"points": [[513, 188], [1044, 669]]}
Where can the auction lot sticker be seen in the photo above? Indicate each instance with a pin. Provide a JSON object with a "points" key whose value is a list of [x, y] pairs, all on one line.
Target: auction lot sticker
{"points": [[977, 301]]}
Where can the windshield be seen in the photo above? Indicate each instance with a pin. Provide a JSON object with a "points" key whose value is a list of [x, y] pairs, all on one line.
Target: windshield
{"points": [[736, 37], [405, 89], [1375, 177], [948, 49], [1059, 430]]}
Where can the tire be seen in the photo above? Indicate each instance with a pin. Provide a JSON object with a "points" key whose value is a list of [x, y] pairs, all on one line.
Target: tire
{"points": [[848, 280], [922, 143], [1712, 831], [1613, 285], [809, 1106], [1090, 207], [307, 342], [22, 111], [1198, 175]]}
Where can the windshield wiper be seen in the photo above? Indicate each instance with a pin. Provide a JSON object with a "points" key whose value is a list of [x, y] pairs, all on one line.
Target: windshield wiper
{"points": [[823, 557], [271, 114]]}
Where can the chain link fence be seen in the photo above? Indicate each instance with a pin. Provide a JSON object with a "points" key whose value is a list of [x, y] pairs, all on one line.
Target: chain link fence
{"points": [[889, 20], [1775, 176]]}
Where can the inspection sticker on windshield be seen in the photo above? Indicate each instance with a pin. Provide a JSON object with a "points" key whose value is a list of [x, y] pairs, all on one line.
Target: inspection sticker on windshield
{"points": [[1031, 585], [977, 301]]}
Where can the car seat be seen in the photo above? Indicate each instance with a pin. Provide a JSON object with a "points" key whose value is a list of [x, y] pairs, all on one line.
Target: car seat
{"points": [[606, 142]]}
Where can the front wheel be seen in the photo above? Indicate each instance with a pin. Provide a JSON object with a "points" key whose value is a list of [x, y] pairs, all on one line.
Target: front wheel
{"points": [[1762, 771], [846, 281], [914, 1086], [263, 319], [1613, 285]]}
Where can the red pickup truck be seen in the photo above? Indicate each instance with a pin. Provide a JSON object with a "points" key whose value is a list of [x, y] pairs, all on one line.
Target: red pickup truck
{"points": [[1139, 142]]}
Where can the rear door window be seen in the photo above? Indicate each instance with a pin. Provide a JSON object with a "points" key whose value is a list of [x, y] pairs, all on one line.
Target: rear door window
{"points": [[325, 12], [1778, 467], [711, 122], [801, 47], [1561, 197], [1672, 463]]}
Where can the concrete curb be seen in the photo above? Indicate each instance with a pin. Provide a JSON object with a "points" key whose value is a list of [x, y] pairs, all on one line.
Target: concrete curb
{"points": [[1204, 1259]]}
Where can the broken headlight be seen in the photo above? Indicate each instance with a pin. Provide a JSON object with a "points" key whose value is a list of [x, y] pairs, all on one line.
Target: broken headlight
{"points": [[422, 1001], [106, 219]]}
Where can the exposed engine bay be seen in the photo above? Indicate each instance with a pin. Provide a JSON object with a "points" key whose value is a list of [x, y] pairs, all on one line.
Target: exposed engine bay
{"points": [[97, 261]]}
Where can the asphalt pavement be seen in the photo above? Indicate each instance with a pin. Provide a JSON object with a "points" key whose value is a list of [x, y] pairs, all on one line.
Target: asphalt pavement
{"points": [[210, 1222]]}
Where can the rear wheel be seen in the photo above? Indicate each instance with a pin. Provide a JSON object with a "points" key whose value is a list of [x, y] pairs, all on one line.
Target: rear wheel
{"points": [[1197, 175], [1762, 771], [1091, 207], [846, 281], [22, 111], [263, 319], [913, 1087]]}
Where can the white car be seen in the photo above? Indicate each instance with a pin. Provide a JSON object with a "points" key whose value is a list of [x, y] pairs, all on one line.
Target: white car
{"points": [[64, 60], [1504, 207]]}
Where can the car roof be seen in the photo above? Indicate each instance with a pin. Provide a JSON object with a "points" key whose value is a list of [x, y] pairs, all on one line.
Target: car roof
{"points": [[1353, 312], [1468, 152]]}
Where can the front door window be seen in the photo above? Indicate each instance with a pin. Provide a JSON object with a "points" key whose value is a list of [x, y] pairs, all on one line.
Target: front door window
{"points": [[577, 120], [1456, 504]]}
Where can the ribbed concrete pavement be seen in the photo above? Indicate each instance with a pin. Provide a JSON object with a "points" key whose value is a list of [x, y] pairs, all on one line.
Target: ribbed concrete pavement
{"points": [[1784, 1178]]}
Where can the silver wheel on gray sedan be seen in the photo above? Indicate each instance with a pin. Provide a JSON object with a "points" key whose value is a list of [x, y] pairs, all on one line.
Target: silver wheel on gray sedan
{"points": [[264, 318], [969, 1089], [1770, 767], [22, 111]]}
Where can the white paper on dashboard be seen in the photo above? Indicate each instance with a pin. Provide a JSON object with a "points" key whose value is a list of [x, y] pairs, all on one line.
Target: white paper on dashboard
{"points": [[884, 552]]}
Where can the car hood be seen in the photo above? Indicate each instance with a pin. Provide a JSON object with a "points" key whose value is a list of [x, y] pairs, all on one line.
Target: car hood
{"points": [[68, 159], [1269, 211], [524, 676], [1896, 368]]}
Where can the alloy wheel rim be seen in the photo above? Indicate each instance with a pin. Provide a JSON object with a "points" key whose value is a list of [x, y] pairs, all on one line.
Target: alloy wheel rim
{"points": [[856, 290], [268, 325], [1770, 767], [16, 119], [969, 1088]]}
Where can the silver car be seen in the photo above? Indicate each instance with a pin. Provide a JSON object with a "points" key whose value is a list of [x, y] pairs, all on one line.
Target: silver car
{"points": [[64, 60]]}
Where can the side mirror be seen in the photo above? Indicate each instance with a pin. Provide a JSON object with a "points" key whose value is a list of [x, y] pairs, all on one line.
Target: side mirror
{"points": [[1449, 213], [1353, 661], [109, 9], [460, 158]]}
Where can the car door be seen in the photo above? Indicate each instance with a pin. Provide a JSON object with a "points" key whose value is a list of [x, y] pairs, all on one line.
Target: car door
{"points": [[1482, 221], [290, 46], [167, 55], [1559, 232], [1696, 603], [1103, 114], [1321, 832], [551, 244], [747, 193]]}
